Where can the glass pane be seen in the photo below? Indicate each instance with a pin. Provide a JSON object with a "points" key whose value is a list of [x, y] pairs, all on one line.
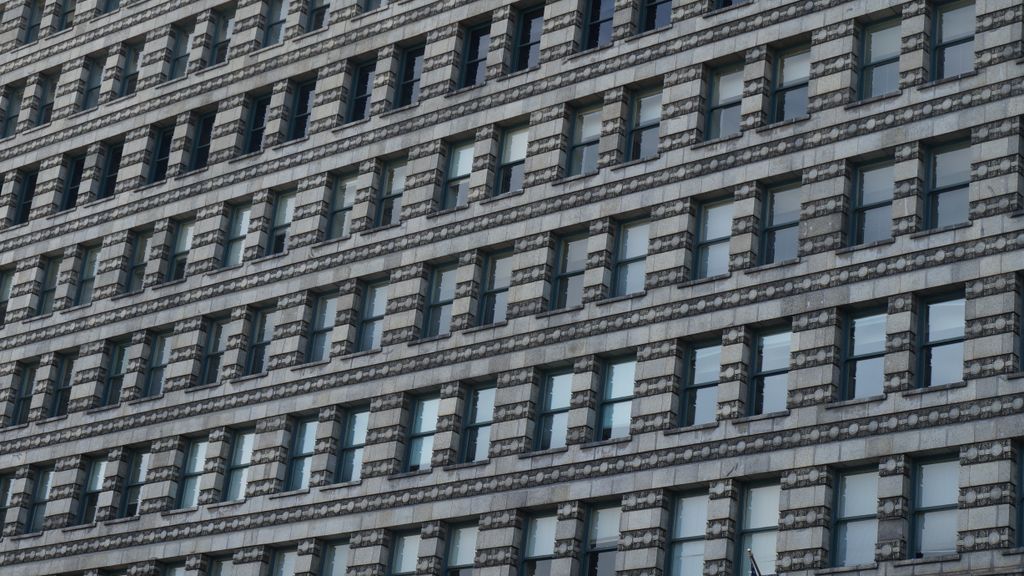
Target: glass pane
{"points": [[773, 351], [783, 244], [791, 104], [881, 79], [501, 272], [615, 420], [477, 443], [358, 422], [554, 435], [869, 334], [633, 243], [724, 121], [706, 364], [946, 364], [376, 301], [772, 395], [956, 20], [242, 453], [514, 148], [336, 560], [444, 285], [876, 184], [762, 545], [305, 437], [785, 205], [574, 255], [584, 159], [572, 293], [483, 405], [883, 42], [858, 494], [540, 536], [326, 312], [875, 224], [196, 457], [425, 416], [795, 67], [406, 552], [728, 85], [604, 526], [714, 259], [97, 472], [183, 241], [588, 125], [420, 451], [855, 542], [938, 483], [620, 379], [461, 160], [936, 532], [951, 166], [955, 60], [946, 320], [867, 377], [650, 109], [463, 547], [691, 516], [630, 279], [237, 482], [951, 207], [396, 178], [761, 507], [558, 391], [703, 406], [688, 558], [716, 221]]}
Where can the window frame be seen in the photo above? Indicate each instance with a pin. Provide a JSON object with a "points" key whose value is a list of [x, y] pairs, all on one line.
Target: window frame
{"points": [[15, 96], [277, 237], [770, 228], [524, 39], [474, 38], [178, 259], [26, 194], [435, 302], [673, 538], [916, 510], [758, 374], [138, 461], [130, 71], [160, 163], [301, 111], [577, 144], [847, 356], [932, 192], [72, 182], [236, 238], [93, 85], [408, 78], [648, 7], [322, 333], [703, 245], [61, 391], [838, 518], [857, 206], [330, 556], [180, 49], [189, 477], [529, 525], [489, 292], [223, 30], [136, 265], [545, 416], [48, 289], [472, 426], [866, 67], [154, 363], [88, 496], [780, 88], [316, 15], [939, 47], [111, 168], [117, 367], [606, 402], [258, 347], [23, 392], [620, 263], [199, 157], [637, 128], [412, 435], [213, 352], [393, 554], [502, 168], [366, 318], [48, 85], [277, 15], [256, 127], [589, 549], [741, 531], [690, 385], [234, 466], [388, 210], [348, 445], [360, 99], [40, 497], [300, 461], [924, 345], [454, 182], [33, 21], [86, 282], [592, 24], [338, 207], [449, 552], [562, 275]]}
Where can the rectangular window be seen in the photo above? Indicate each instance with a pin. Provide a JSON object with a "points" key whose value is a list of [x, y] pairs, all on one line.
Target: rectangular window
{"points": [[277, 13], [438, 317], [72, 182], [476, 430], [325, 308], [768, 382], [630, 258], [371, 321], [936, 488], [131, 491], [236, 476], [218, 567], [781, 234], [529, 27], [602, 539], [284, 213], [953, 44], [283, 562], [191, 472], [33, 20], [223, 29], [597, 23], [646, 118], [421, 433], [553, 416], [405, 553], [946, 192], [257, 124], [571, 263], [343, 198], [456, 183], [130, 71], [616, 399], [6, 279], [880, 59], [23, 393], [699, 395], [137, 262], [408, 89], [26, 193], [759, 511], [714, 229], [93, 83], [688, 528], [302, 108], [177, 569], [461, 550], [335, 559], [586, 134], [6, 492], [261, 334], [789, 84], [238, 228], [474, 56], [316, 16], [494, 293], [180, 46], [49, 286], [213, 351], [159, 358], [116, 368], [725, 93], [856, 523], [362, 89], [108, 6], [655, 14], [200, 156], [300, 458], [179, 250], [872, 203], [111, 166], [539, 544], [389, 198], [88, 501], [89, 267], [66, 15], [41, 491], [161, 154], [941, 337], [10, 124], [47, 92], [65, 372], [864, 355], [353, 440], [512, 161]]}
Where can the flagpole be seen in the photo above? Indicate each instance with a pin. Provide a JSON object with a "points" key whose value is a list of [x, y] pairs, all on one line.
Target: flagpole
{"points": [[755, 570]]}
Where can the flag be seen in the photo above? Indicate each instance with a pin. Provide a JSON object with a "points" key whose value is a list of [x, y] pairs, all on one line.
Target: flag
{"points": [[754, 569]]}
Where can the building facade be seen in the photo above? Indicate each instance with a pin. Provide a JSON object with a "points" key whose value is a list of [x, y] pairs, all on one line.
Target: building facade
{"points": [[495, 288]]}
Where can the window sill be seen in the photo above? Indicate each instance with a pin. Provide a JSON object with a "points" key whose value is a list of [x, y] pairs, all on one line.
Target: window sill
{"points": [[588, 52], [281, 254], [100, 409], [223, 269], [941, 81], [189, 173], [520, 72], [15, 427], [855, 401], [36, 128], [28, 536], [49, 419], [177, 80], [575, 177], [694, 428], [705, 280], [464, 89], [37, 318], [352, 355], [931, 231], [340, 485], [202, 387], [430, 339], [856, 247], [633, 162], [548, 452], [940, 388], [116, 521], [783, 123], [323, 244], [400, 109], [380, 228], [15, 226], [1020, 550], [622, 298], [446, 211], [514, 193], [77, 307], [246, 156], [169, 283], [758, 417], [211, 67], [872, 100], [78, 527], [927, 560], [288, 143], [1017, 214], [150, 186], [608, 442], [345, 125], [179, 511], [127, 294], [95, 201], [717, 11], [369, 13], [719, 140], [771, 265], [145, 399], [845, 569], [551, 313], [410, 474], [227, 504], [1015, 376], [268, 47], [248, 377], [313, 364], [288, 494], [650, 32], [463, 465], [475, 329]]}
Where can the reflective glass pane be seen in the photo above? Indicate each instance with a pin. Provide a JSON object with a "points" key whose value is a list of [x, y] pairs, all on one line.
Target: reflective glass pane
{"points": [[795, 67], [406, 552], [936, 532], [540, 536], [703, 405], [604, 526], [761, 508], [762, 545], [951, 166], [483, 405], [357, 425], [706, 364], [883, 42], [183, 240], [951, 207], [615, 420], [514, 148], [858, 494], [630, 279], [956, 20], [876, 184], [501, 272], [881, 79], [588, 125], [444, 285], [955, 60], [773, 393], [574, 255], [376, 301], [714, 259], [335, 560], [867, 377], [869, 334], [855, 542], [938, 483], [783, 244], [396, 178], [555, 433], [620, 379], [716, 221], [946, 319], [463, 546], [691, 516], [420, 450], [875, 224], [791, 104], [724, 121], [650, 109], [305, 437], [242, 449], [946, 364], [633, 243], [687, 558], [558, 391], [461, 160], [727, 85], [773, 350], [425, 417], [196, 457], [785, 205]]}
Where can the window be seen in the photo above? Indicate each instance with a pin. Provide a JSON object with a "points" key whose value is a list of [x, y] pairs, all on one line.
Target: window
{"points": [[236, 476], [87, 276], [159, 358], [529, 27], [856, 523], [789, 84], [191, 472], [586, 134], [181, 43], [409, 77], [72, 182], [476, 431], [553, 416], [49, 286], [161, 154], [200, 155], [130, 70], [176, 569], [223, 28], [461, 550], [456, 184], [343, 197], [936, 488], [699, 396], [23, 393], [864, 360], [602, 539], [421, 433], [118, 365], [41, 488], [946, 193], [316, 17], [371, 322], [262, 332], [10, 125], [238, 228], [6, 492], [571, 263], [137, 262], [335, 559], [405, 554], [283, 563], [65, 14], [389, 200], [597, 23], [353, 440], [6, 279], [372, 4], [93, 82], [630, 256], [616, 399], [724, 97], [220, 567], [131, 492], [26, 193], [655, 14], [643, 133], [277, 12], [688, 527], [213, 351], [107, 6], [362, 89], [32, 21], [494, 296], [512, 161], [953, 44], [941, 336], [284, 212], [179, 250], [300, 459], [771, 372], [438, 317], [539, 545], [759, 509], [257, 124], [872, 203], [65, 371], [880, 59], [781, 236], [88, 501], [111, 166], [714, 228], [474, 56], [324, 310], [302, 107]]}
